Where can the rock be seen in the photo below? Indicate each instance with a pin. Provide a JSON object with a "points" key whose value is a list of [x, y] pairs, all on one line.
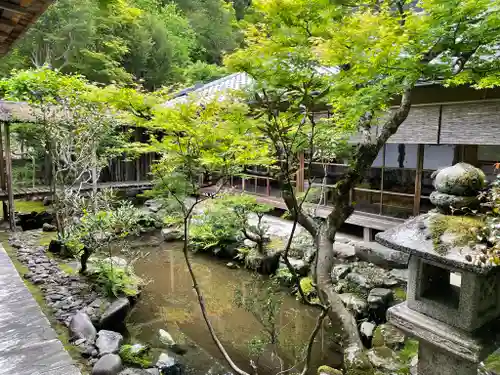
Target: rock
{"points": [[232, 265], [165, 338], [172, 234], [358, 279], [47, 201], [134, 371], [461, 179], [81, 327], [389, 336], [340, 271], [46, 227], [366, 329], [300, 266], [108, 342], [56, 247], [384, 358], [153, 371], [168, 365], [379, 298], [153, 205], [355, 304], [110, 364], [446, 203], [116, 261], [114, 317], [400, 274], [380, 255], [249, 243], [344, 250]]}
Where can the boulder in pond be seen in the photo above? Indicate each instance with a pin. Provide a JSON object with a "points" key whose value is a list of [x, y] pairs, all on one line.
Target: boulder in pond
{"points": [[46, 227], [81, 327], [109, 364], [56, 247], [113, 318], [168, 365], [165, 337], [108, 342], [135, 371], [172, 234]]}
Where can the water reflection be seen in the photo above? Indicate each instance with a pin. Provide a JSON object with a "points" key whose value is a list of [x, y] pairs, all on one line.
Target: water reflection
{"points": [[169, 302]]}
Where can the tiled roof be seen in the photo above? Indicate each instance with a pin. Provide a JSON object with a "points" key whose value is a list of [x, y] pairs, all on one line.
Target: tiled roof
{"points": [[235, 81]]}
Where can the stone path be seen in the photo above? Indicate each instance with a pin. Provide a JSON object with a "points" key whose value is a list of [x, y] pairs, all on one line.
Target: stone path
{"points": [[28, 344]]}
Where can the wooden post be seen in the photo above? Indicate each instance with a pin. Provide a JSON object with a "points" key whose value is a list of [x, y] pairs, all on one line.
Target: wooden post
{"points": [[255, 187], [94, 170], [381, 183], [268, 187], [138, 159], [10, 192], [300, 173], [418, 180], [2, 175], [243, 184]]}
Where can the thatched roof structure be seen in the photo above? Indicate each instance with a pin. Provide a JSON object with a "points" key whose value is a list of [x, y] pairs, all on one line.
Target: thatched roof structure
{"points": [[15, 18]]}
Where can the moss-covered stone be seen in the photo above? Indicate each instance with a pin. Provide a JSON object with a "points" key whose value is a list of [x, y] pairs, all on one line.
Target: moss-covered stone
{"points": [[328, 370], [399, 294], [136, 355], [461, 179], [492, 363], [386, 335]]}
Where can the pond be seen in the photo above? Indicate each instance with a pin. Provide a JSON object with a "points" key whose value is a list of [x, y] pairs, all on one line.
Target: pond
{"points": [[169, 302]]}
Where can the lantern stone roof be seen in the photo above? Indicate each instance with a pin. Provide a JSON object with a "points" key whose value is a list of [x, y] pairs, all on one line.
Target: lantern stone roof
{"points": [[413, 237], [16, 16]]}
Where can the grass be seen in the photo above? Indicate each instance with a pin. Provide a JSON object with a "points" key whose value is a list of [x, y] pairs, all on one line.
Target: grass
{"points": [[60, 329], [46, 237], [464, 228]]}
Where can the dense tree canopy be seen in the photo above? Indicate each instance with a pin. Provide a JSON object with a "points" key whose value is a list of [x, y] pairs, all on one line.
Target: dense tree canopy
{"points": [[150, 41]]}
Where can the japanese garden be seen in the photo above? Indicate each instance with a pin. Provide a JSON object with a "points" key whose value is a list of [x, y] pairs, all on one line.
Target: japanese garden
{"points": [[250, 187]]}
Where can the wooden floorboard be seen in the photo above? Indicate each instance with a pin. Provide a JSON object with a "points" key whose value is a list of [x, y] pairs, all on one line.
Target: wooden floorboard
{"points": [[43, 190], [362, 219]]}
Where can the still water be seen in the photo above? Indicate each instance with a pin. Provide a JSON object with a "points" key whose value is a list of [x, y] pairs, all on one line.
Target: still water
{"points": [[169, 302]]}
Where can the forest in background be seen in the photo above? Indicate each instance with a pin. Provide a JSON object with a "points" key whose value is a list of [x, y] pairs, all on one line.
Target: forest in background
{"points": [[152, 42]]}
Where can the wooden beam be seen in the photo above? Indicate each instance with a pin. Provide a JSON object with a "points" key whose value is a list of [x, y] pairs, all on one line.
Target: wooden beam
{"points": [[10, 192], [7, 22], [14, 8], [2, 176], [418, 180]]}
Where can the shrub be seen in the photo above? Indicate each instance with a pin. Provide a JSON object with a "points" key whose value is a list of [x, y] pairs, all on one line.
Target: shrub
{"points": [[116, 281], [214, 227], [136, 355]]}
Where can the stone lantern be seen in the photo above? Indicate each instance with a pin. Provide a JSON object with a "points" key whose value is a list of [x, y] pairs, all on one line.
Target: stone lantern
{"points": [[453, 303]]}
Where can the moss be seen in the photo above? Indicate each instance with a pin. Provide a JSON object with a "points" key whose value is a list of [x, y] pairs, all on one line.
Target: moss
{"points": [[46, 237], [328, 370], [66, 268], [306, 284], [492, 363], [133, 357], [29, 206], [409, 351], [399, 294], [464, 228]]}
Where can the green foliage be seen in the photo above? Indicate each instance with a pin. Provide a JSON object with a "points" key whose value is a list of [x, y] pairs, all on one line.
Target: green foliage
{"points": [[116, 281], [136, 357], [215, 226], [202, 72], [263, 299], [409, 351]]}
